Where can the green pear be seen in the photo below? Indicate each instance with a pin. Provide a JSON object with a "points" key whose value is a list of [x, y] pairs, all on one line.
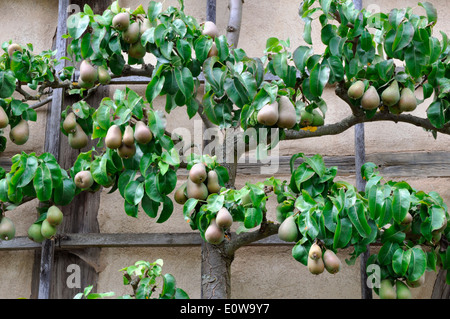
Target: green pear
{"points": [[4, 120], [126, 151], [78, 139], [121, 21], [20, 133], [331, 261], [180, 196], [356, 90], [318, 119], [85, 85], [213, 182], [416, 283], [210, 28], [132, 34], [128, 136], [288, 230], [197, 173], [387, 290], [137, 50], [268, 114], [408, 101], [306, 118], [403, 291], [195, 190], [54, 216], [88, 73], [113, 139], [142, 133], [370, 99], [47, 230], [315, 267], [84, 179], [214, 234], [287, 116], [34, 233], [103, 75], [14, 47], [145, 25], [391, 95], [315, 252], [7, 229], [224, 218], [70, 123]]}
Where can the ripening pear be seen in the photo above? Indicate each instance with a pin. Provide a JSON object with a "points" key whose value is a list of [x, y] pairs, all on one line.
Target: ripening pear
{"points": [[213, 51], [126, 151], [288, 230], [408, 102], [142, 133], [137, 50], [370, 99], [85, 85], [407, 220], [83, 179], [113, 139], [331, 261], [416, 283], [387, 290], [13, 47], [88, 73], [4, 120], [195, 190], [315, 267], [391, 95], [54, 216], [34, 233], [7, 229], [403, 291], [318, 119], [179, 195], [132, 34], [20, 133], [287, 116], [224, 218], [103, 75], [268, 114], [197, 173], [306, 118], [121, 21], [213, 182], [128, 136], [210, 28], [214, 234], [70, 123], [78, 139], [47, 230], [315, 252], [356, 90]]}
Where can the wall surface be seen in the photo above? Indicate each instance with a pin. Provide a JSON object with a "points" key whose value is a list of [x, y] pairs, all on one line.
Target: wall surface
{"points": [[257, 272]]}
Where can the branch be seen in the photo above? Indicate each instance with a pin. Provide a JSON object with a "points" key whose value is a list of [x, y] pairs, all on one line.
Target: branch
{"points": [[234, 22]]}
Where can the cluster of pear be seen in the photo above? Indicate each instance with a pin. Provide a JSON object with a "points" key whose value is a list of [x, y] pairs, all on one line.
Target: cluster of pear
{"points": [[215, 232], [7, 228], [396, 100], [318, 261], [76, 135], [125, 143], [89, 75], [398, 289], [38, 232], [282, 113], [210, 29]]}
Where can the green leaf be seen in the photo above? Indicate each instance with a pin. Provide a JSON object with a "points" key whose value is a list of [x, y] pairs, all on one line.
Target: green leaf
{"points": [[280, 65], [7, 84], [417, 264], [393, 234], [400, 261], [319, 77], [185, 81], [65, 192], [301, 55], [414, 60], [42, 183], [167, 210], [400, 204], [134, 192], [99, 170], [130, 209], [307, 30], [300, 253], [386, 252], [357, 216], [222, 47], [430, 10], [435, 114], [77, 24], [150, 206], [403, 36], [343, 233], [253, 217], [29, 171], [154, 87]]}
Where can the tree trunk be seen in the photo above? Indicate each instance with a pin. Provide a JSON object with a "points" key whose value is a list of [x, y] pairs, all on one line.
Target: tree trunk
{"points": [[441, 290]]}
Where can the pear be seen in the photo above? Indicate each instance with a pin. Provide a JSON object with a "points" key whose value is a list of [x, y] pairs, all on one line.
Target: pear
{"points": [[4, 120], [370, 99], [268, 114], [197, 191], [113, 139], [126, 151], [13, 47], [391, 95], [47, 230], [54, 216], [213, 182], [407, 220], [213, 51], [70, 123], [288, 230], [315, 267], [128, 136], [356, 90], [197, 173], [78, 139], [132, 34], [142, 133], [34, 233], [318, 119], [287, 116], [20, 133], [179, 195], [88, 73], [145, 25], [403, 291], [103, 75], [407, 102], [416, 283], [224, 218], [331, 261], [7, 229], [210, 28], [306, 118], [246, 200], [121, 21], [85, 85], [387, 290], [214, 234], [137, 50], [315, 252], [84, 179]]}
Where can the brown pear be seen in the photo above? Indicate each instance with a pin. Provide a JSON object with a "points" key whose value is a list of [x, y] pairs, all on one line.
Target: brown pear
{"points": [[20, 133], [370, 99], [128, 136], [103, 75], [126, 151], [78, 139], [391, 95], [7, 229], [213, 182], [142, 133], [14, 47], [224, 218], [196, 190], [197, 173], [331, 261], [121, 21], [214, 234], [179, 195], [315, 252], [132, 34], [84, 179], [315, 267], [88, 73], [70, 123], [287, 116], [113, 139], [4, 120], [356, 90], [210, 28], [213, 51], [408, 102], [268, 114], [137, 50]]}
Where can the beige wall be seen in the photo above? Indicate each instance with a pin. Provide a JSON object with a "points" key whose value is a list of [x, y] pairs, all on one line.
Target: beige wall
{"points": [[257, 272]]}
